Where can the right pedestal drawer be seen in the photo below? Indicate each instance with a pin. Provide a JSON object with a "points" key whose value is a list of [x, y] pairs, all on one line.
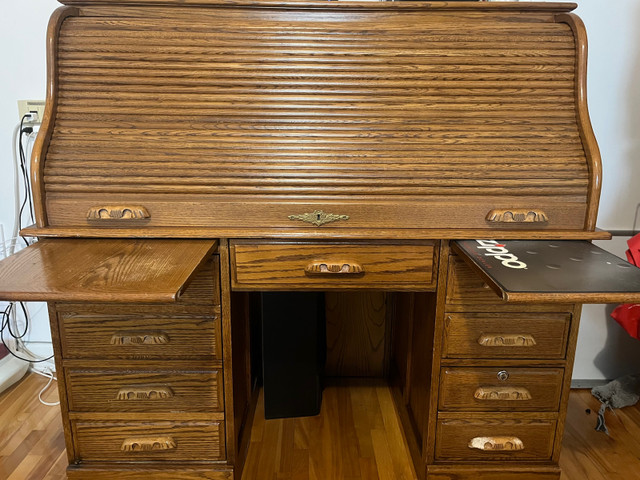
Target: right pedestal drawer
{"points": [[506, 335], [500, 389], [473, 437]]}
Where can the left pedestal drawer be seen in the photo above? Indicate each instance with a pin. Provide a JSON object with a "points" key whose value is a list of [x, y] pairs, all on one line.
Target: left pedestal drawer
{"points": [[134, 332], [145, 441], [148, 391]]}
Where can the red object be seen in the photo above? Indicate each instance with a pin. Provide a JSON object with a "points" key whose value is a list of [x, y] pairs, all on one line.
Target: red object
{"points": [[628, 315]]}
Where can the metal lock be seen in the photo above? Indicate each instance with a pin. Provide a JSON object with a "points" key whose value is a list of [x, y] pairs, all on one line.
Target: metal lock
{"points": [[503, 375]]}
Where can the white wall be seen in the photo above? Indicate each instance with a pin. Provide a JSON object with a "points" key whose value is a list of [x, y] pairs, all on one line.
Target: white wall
{"points": [[23, 27], [604, 350]]}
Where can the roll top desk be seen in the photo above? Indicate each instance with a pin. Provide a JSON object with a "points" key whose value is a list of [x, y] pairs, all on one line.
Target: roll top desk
{"points": [[194, 150]]}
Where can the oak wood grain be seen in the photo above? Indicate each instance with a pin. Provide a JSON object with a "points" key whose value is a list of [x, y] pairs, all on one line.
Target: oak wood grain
{"points": [[454, 434], [459, 385], [462, 333], [404, 128], [356, 334], [585, 454], [382, 233], [102, 270], [102, 441], [120, 390], [283, 265], [88, 333], [45, 132]]}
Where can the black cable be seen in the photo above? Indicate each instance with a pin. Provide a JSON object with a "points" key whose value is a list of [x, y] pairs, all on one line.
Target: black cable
{"points": [[6, 324], [28, 130], [26, 316], [25, 175]]}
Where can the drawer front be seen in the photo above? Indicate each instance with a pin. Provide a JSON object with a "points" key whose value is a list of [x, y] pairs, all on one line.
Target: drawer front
{"points": [[490, 389], [327, 266], [494, 437], [144, 441], [91, 390], [137, 336], [506, 335], [465, 287]]}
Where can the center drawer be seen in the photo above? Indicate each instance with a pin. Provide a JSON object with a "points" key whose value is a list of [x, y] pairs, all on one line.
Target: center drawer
{"points": [[322, 265]]}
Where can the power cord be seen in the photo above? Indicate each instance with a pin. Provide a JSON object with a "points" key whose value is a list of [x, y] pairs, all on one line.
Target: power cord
{"points": [[6, 325], [47, 373], [9, 316], [23, 167], [21, 171]]}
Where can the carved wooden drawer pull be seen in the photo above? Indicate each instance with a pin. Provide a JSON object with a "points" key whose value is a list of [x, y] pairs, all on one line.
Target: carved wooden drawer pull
{"points": [[118, 212], [496, 444], [147, 444], [139, 338], [319, 268], [511, 394], [144, 392], [506, 340], [516, 215]]}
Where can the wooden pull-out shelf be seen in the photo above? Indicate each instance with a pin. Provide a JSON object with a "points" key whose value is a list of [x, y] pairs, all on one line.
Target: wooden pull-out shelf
{"points": [[102, 270], [551, 271]]}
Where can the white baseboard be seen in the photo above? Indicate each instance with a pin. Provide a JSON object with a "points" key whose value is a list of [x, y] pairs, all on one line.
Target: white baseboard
{"points": [[587, 383], [11, 370]]}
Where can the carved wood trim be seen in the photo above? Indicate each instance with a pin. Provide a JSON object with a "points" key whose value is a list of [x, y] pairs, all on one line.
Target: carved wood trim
{"points": [[140, 338], [496, 444], [585, 128], [509, 394], [315, 4], [144, 392], [517, 215], [321, 268], [41, 144], [148, 444], [118, 212], [507, 340]]}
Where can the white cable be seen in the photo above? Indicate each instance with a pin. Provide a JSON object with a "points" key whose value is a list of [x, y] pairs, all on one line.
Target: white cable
{"points": [[46, 374], [15, 239], [51, 378]]}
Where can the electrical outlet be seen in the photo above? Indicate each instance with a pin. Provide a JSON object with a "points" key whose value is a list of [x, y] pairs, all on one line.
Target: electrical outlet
{"points": [[31, 106]]}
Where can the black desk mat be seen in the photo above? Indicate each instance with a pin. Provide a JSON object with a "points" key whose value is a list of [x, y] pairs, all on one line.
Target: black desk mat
{"points": [[573, 271]]}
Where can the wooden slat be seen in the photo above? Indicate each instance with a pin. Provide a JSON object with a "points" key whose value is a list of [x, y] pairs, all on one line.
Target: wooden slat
{"points": [[361, 106]]}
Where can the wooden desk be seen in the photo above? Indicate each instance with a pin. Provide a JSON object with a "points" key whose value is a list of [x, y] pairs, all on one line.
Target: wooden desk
{"points": [[272, 145]]}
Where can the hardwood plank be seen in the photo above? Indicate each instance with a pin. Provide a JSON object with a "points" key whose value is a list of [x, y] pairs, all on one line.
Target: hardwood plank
{"points": [[32, 443]]}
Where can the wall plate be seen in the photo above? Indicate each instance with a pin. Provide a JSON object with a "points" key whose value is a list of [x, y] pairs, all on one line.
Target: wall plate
{"points": [[31, 106]]}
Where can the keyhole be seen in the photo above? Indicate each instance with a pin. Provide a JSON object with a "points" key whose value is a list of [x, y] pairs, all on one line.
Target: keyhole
{"points": [[317, 216]]}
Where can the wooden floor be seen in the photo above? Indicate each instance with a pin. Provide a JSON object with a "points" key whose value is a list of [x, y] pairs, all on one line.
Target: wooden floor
{"points": [[356, 437]]}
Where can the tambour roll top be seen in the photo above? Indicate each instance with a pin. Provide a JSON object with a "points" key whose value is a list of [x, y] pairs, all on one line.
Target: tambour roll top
{"points": [[417, 115]]}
